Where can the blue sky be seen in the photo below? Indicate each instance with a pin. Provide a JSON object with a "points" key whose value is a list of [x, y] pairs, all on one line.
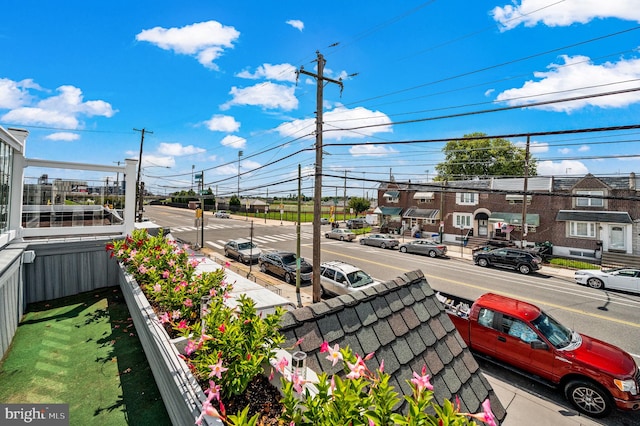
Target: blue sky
{"points": [[210, 79]]}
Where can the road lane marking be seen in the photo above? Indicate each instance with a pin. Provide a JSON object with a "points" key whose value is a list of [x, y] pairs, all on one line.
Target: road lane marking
{"points": [[477, 287], [218, 246]]}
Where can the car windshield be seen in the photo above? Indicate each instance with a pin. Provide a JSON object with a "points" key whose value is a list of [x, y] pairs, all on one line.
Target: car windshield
{"points": [[556, 333], [359, 279], [288, 259], [246, 246]]}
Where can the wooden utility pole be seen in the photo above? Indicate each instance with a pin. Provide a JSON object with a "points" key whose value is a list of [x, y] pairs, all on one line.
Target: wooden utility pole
{"points": [[524, 195], [139, 188], [317, 192]]}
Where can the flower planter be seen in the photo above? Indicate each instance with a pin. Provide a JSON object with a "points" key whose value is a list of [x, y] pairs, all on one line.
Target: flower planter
{"points": [[182, 395]]}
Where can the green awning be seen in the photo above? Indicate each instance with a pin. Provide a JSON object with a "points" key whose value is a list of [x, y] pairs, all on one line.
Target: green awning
{"points": [[515, 218], [388, 211]]}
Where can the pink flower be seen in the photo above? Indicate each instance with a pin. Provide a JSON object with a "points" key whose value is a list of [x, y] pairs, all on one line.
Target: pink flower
{"points": [[164, 318], [227, 264], [217, 369], [190, 348], [176, 315], [166, 274], [357, 370], [382, 366], [300, 340], [188, 303], [157, 288], [282, 363], [142, 269], [182, 324], [422, 382], [324, 346], [213, 392], [298, 382], [222, 328], [486, 415], [213, 292], [334, 354]]}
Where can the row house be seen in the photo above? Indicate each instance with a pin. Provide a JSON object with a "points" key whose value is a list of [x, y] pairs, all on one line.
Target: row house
{"points": [[581, 216]]}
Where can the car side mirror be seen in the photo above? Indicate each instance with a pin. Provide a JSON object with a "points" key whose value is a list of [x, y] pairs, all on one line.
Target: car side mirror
{"points": [[538, 344]]}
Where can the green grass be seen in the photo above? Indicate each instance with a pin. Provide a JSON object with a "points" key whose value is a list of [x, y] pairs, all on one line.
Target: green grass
{"points": [[83, 351], [570, 263]]}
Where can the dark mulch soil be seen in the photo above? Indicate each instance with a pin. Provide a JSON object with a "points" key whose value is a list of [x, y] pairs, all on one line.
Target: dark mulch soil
{"points": [[261, 397]]}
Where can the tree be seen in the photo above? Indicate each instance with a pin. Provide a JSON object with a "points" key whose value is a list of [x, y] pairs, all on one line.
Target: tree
{"points": [[359, 205], [479, 156], [234, 203]]}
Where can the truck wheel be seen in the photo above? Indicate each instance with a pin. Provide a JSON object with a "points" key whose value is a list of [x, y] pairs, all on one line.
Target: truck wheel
{"points": [[287, 278], [483, 262], [432, 253], [524, 269], [403, 249], [588, 398], [595, 283]]}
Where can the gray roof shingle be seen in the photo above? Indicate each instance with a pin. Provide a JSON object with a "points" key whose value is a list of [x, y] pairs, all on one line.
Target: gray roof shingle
{"points": [[402, 323]]}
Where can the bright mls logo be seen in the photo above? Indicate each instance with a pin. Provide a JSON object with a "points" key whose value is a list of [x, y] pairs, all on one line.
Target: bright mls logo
{"points": [[37, 414]]}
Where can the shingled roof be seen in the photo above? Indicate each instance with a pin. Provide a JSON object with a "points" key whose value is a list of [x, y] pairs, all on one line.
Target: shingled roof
{"points": [[403, 323]]}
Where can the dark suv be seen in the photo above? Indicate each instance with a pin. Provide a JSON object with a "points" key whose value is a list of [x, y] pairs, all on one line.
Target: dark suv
{"points": [[284, 264], [357, 223], [522, 261]]}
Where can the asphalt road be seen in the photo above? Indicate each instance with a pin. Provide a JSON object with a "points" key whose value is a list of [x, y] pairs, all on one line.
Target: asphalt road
{"points": [[610, 316]]}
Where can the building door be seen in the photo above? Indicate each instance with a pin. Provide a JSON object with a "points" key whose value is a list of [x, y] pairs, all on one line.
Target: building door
{"points": [[483, 227], [616, 238]]}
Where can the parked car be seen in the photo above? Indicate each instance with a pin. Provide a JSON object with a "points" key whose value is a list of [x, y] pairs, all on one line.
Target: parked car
{"points": [[222, 214], [627, 279], [324, 221], [357, 223], [379, 240], [337, 277], [284, 264], [430, 248], [242, 249], [340, 234], [522, 261]]}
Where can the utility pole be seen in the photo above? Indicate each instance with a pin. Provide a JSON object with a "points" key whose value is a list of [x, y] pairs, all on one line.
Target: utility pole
{"points": [[139, 188], [344, 199], [317, 192], [298, 237], [524, 195]]}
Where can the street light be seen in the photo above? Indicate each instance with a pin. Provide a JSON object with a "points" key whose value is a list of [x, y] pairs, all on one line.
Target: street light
{"points": [[239, 155]]}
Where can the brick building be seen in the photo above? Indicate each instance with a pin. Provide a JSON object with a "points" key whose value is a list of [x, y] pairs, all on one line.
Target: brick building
{"points": [[581, 216]]}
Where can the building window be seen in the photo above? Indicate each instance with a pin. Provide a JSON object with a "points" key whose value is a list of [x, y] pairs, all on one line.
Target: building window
{"points": [[466, 198], [588, 201], [582, 229], [6, 163], [462, 220]]}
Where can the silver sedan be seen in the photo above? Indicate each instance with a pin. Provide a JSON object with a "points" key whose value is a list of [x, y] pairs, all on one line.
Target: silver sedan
{"points": [[427, 247], [380, 240]]}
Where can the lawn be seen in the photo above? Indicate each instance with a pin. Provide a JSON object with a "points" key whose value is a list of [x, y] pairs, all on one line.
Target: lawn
{"points": [[83, 351]]}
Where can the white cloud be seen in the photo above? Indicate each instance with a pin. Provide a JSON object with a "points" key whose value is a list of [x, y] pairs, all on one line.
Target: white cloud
{"points": [[178, 150], [266, 95], [233, 141], [61, 110], [63, 136], [14, 94], [204, 40], [564, 150], [295, 23], [371, 150], [578, 72], [584, 148], [534, 147], [232, 168], [341, 118], [222, 123], [563, 13], [278, 72], [564, 167]]}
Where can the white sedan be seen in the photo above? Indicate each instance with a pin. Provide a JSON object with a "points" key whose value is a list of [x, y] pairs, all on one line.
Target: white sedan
{"points": [[627, 279]]}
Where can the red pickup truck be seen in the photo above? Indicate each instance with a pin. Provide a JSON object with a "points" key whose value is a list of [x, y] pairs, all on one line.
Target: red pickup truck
{"points": [[595, 376]]}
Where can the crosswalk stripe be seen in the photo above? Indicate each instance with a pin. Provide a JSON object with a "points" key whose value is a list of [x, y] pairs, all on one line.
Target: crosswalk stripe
{"points": [[218, 246]]}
